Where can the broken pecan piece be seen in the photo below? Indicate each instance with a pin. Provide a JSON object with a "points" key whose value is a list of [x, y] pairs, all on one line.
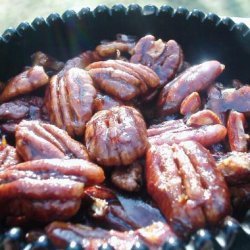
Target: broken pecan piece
{"points": [[203, 117], [190, 104], [194, 79], [236, 124], [186, 185], [176, 131], [123, 80], [45, 190], [235, 167], [154, 236], [69, 100], [49, 63], [24, 83], [117, 136], [37, 140], [165, 58], [128, 179]]}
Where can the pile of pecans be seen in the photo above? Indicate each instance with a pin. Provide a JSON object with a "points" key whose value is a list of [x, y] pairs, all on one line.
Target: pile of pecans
{"points": [[130, 117]]}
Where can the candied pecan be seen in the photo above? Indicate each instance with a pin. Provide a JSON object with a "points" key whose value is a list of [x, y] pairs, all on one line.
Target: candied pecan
{"points": [[165, 58], [185, 184], [231, 99], [8, 155], [123, 80], [194, 79], [29, 108], [81, 61], [49, 63], [190, 104], [129, 179], [24, 83], [203, 117], [154, 236], [117, 136], [236, 131], [52, 189], [171, 132], [104, 102], [235, 167], [37, 140], [69, 100]]}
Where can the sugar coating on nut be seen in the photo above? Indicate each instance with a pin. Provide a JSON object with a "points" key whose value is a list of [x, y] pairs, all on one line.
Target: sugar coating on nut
{"points": [[116, 137]]}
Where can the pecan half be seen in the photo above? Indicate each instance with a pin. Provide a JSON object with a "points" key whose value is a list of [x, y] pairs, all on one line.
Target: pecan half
{"points": [[123, 80], [37, 140], [24, 83], [45, 190], [171, 132], [28, 108], [190, 104], [203, 117], [186, 185], [165, 58], [69, 100], [153, 236], [49, 63], [194, 79], [117, 136], [129, 179], [235, 167], [236, 131]]}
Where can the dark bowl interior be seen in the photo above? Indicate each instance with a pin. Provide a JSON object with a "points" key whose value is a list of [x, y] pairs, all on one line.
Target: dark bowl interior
{"points": [[201, 36]]}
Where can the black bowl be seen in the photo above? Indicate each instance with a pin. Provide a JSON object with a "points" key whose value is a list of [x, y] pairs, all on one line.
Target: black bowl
{"points": [[201, 36]]}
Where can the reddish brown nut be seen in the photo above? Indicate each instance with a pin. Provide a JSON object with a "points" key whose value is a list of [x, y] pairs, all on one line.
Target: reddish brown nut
{"points": [[154, 236], [49, 63], [45, 190], [81, 61], [187, 187], [8, 155], [104, 102], [194, 79], [129, 179], [171, 132], [69, 100], [230, 99], [203, 117], [37, 140], [24, 83], [165, 58], [235, 167], [236, 131], [117, 136], [123, 80], [190, 104], [28, 108]]}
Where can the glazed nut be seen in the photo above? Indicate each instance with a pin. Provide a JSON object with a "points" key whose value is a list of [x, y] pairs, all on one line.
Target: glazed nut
{"points": [[69, 100], [123, 80], [203, 117], [37, 140], [24, 83], [194, 79], [190, 104], [236, 131], [164, 58], [116, 137]]}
